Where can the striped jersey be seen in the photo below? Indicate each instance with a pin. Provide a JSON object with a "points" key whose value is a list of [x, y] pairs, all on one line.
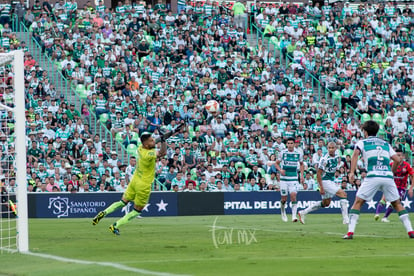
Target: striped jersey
{"points": [[329, 165], [376, 154], [289, 162], [402, 173]]}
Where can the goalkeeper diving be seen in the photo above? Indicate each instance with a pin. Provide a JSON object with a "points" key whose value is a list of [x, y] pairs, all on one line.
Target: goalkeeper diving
{"points": [[139, 188]]}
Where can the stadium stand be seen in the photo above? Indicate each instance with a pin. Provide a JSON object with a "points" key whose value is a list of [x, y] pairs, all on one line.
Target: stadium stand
{"points": [[295, 70]]}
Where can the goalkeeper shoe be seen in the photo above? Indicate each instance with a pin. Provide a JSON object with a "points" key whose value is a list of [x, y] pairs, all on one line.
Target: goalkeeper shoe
{"points": [[301, 217], [114, 230], [13, 207], [349, 236], [98, 217]]}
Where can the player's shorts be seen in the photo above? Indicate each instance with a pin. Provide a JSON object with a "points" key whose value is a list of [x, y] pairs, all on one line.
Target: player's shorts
{"points": [[137, 191], [287, 187], [330, 189], [371, 185]]}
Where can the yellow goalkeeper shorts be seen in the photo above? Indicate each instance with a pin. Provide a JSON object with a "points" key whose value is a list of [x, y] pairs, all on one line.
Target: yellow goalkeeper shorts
{"points": [[138, 191]]}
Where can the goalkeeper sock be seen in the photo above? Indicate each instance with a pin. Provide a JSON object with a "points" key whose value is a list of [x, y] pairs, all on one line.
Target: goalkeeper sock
{"points": [[353, 220], [314, 207], [125, 219], [114, 206], [405, 220]]}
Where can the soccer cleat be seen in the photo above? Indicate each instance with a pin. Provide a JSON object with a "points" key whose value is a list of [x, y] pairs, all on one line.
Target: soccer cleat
{"points": [[98, 217], [349, 236], [411, 234], [13, 207], [301, 217], [114, 230], [294, 220], [385, 220], [376, 217], [284, 217], [345, 221]]}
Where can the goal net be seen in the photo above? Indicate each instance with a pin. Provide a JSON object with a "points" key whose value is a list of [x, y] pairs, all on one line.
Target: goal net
{"points": [[13, 182]]}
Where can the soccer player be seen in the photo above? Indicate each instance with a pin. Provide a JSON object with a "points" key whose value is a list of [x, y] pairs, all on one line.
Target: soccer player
{"points": [[287, 165], [400, 178], [139, 187], [376, 154], [325, 176]]}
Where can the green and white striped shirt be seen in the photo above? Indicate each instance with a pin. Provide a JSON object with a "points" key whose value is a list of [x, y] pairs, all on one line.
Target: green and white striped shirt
{"points": [[289, 163], [377, 155], [329, 165]]}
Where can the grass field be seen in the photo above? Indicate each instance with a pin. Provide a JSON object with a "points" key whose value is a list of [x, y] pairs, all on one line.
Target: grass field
{"points": [[239, 245]]}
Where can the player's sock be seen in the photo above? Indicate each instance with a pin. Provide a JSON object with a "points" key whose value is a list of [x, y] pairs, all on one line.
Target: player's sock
{"points": [[125, 219], [283, 208], [353, 220], [405, 220], [314, 207], [344, 207], [294, 209], [380, 205], [114, 206], [388, 211]]}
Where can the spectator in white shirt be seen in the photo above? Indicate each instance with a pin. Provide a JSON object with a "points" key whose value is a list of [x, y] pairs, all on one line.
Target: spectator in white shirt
{"points": [[310, 182], [409, 99], [399, 126], [363, 105]]}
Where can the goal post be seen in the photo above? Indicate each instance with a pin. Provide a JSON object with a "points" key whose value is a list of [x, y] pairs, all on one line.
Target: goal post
{"points": [[14, 128]]}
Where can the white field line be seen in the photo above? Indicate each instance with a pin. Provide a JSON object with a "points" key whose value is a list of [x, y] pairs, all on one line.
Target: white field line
{"points": [[272, 258], [301, 231], [108, 264]]}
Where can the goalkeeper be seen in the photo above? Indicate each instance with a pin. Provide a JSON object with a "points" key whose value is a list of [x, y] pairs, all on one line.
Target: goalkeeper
{"points": [[139, 188]]}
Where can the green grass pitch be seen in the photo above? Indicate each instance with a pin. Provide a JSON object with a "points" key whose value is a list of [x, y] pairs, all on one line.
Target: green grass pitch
{"points": [[239, 245]]}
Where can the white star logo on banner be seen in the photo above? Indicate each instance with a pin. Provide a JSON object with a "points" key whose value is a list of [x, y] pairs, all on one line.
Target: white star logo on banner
{"points": [[371, 204], [146, 208], [162, 206], [406, 203]]}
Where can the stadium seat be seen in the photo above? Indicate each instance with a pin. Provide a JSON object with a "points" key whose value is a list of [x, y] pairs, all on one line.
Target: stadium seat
{"points": [[132, 149], [378, 118], [365, 117], [348, 152], [103, 118], [118, 137], [262, 172], [265, 122], [239, 164], [246, 172], [259, 115]]}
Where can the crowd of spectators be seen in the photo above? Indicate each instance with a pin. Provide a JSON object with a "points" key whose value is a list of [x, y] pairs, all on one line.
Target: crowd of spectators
{"points": [[141, 68]]}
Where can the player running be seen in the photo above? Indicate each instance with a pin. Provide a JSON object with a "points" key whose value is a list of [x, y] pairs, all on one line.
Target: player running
{"points": [[287, 165], [139, 188], [376, 154], [327, 167], [400, 178]]}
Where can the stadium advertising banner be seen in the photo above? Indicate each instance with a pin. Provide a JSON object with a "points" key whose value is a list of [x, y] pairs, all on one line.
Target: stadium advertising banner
{"points": [[269, 203], [87, 205]]}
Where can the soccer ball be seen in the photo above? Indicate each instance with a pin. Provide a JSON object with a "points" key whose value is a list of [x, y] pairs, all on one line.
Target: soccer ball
{"points": [[212, 106]]}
